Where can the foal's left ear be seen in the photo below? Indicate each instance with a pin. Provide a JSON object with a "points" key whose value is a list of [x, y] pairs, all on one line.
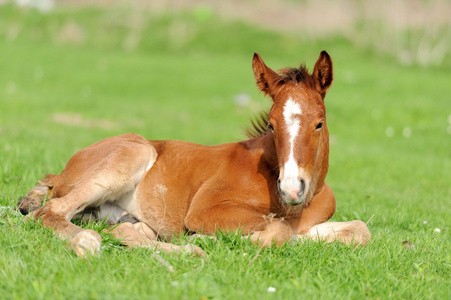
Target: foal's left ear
{"points": [[322, 73]]}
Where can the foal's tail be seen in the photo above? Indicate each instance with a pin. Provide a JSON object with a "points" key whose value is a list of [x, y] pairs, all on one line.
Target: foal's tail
{"points": [[35, 197]]}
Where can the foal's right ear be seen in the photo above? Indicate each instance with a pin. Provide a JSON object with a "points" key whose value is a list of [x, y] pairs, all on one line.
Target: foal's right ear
{"points": [[265, 77]]}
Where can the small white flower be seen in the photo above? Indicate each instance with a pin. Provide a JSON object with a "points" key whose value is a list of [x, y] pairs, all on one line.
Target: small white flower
{"points": [[271, 289], [244, 254], [175, 283], [242, 99], [437, 229], [390, 131], [157, 252], [407, 132], [425, 222]]}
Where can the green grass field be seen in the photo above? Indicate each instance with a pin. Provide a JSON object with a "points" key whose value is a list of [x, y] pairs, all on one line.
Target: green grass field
{"points": [[71, 78]]}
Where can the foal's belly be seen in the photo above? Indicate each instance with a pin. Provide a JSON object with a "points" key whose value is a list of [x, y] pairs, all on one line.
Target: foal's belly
{"points": [[162, 199]]}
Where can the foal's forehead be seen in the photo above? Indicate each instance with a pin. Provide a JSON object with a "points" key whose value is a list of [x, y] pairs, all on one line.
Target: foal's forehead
{"points": [[298, 100]]}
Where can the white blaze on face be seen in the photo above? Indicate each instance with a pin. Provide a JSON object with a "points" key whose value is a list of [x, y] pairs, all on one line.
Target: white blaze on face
{"points": [[290, 183]]}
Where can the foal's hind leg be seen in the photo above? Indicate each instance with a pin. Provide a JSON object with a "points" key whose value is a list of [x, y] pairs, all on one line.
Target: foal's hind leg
{"points": [[109, 178], [141, 235], [58, 212]]}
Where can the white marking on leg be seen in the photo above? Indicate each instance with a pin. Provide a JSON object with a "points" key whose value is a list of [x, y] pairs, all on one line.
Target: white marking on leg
{"points": [[291, 113]]}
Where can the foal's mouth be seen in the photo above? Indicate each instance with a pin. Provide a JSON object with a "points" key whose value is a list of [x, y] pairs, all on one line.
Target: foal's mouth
{"points": [[289, 200], [293, 203]]}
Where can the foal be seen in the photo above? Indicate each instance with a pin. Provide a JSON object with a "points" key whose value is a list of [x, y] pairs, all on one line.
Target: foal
{"points": [[271, 186]]}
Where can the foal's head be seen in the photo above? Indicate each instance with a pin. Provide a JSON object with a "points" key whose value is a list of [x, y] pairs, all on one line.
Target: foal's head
{"points": [[297, 121]]}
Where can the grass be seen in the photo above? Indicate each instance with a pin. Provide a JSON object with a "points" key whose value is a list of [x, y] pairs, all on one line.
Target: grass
{"points": [[59, 95]]}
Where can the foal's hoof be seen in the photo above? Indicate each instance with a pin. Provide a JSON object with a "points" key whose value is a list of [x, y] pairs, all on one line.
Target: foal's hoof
{"points": [[86, 242], [362, 235], [197, 251], [24, 207]]}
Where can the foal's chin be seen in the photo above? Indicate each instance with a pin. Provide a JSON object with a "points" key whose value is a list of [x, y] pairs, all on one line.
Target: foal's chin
{"points": [[293, 201]]}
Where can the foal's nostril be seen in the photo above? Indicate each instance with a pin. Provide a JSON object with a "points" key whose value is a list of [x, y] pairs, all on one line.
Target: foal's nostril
{"points": [[278, 187], [301, 187], [302, 184]]}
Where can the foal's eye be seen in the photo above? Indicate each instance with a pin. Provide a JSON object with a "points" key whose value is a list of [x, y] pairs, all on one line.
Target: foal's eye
{"points": [[319, 126], [270, 127]]}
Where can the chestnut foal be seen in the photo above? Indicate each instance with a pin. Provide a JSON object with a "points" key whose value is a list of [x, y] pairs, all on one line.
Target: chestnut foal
{"points": [[271, 186]]}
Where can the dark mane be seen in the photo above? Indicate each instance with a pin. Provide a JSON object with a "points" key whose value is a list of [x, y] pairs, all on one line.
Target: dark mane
{"points": [[259, 124], [297, 75]]}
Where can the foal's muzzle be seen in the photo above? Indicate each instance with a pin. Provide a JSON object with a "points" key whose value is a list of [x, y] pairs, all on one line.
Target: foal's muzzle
{"points": [[294, 192]]}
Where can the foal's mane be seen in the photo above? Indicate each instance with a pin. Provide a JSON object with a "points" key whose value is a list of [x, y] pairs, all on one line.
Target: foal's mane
{"points": [[296, 75], [258, 126], [259, 123]]}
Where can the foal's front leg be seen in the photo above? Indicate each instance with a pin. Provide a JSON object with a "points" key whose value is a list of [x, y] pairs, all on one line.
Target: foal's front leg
{"points": [[311, 224], [353, 232], [263, 229]]}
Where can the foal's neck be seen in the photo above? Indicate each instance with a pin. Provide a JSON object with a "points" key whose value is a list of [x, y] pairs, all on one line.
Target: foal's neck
{"points": [[266, 145]]}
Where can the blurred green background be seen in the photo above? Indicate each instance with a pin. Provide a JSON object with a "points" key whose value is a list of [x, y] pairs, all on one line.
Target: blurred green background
{"points": [[75, 72]]}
